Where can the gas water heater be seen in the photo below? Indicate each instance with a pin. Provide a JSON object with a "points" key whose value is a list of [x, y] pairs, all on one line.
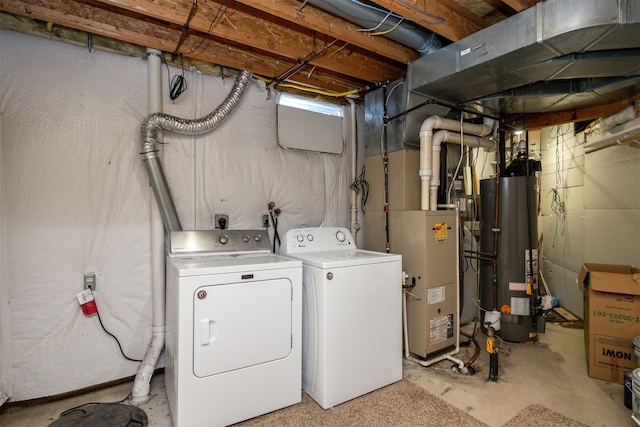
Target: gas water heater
{"points": [[508, 249]]}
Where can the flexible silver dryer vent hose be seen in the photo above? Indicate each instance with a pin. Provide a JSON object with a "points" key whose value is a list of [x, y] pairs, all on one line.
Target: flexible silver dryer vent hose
{"points": [[156, 121]]}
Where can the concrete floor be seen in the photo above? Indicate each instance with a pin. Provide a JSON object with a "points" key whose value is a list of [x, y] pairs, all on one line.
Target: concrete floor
{"points": [[550, 372]]}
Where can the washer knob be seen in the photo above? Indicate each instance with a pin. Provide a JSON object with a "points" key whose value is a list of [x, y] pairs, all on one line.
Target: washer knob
{"points": [[300, 238], [258, 237], [341, 236], [310, 237], [223, 239], [246, 238]]}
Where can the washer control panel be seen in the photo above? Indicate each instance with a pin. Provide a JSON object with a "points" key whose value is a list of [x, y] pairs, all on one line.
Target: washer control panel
{"points": [[317, 240], [217, 242]]}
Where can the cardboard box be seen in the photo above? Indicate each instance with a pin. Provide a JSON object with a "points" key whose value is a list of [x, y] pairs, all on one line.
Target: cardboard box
{"points": [[611, 318]]}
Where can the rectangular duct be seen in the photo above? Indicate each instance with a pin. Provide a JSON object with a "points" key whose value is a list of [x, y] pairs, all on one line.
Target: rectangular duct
{"points": [[403, 129], [536, 45]]}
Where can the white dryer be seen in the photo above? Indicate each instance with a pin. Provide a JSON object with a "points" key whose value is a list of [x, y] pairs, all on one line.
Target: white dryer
{"points": [[352, 315], [233, 327]]}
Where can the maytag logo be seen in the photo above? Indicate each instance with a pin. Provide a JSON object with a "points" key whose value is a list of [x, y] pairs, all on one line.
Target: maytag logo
{"points": [[607, 352]]}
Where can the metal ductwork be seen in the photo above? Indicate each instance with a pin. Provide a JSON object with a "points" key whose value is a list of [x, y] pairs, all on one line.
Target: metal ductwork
{"points": [[402, 31], [559, 54]]}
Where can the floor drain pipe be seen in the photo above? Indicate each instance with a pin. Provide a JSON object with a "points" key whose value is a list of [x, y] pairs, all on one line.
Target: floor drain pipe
{"points": [[141, 384]]}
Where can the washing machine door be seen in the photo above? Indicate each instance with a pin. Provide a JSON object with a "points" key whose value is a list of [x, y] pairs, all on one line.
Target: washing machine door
{"points": [[240, 325]]}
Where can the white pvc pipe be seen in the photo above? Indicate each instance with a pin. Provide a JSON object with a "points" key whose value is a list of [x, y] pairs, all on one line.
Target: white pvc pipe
{"points": [[354, 172], [141, 384], [436, 143], [428, 172]]}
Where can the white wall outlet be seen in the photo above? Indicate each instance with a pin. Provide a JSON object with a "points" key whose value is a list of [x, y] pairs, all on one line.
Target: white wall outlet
{"points": [[90, 281]]}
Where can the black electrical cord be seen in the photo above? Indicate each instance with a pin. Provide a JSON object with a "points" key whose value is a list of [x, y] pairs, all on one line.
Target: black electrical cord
{"points": [[276, 236], [115, 338], [178, 84], [361, 185]]}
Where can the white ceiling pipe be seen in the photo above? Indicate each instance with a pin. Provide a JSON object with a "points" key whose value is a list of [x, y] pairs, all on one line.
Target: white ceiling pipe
{"points": [[439, 137], [354, 226], [427, 171], [141, 384]]}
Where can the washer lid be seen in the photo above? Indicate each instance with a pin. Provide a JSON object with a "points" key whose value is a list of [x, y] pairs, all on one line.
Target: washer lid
{"points": [[345, 258], [236, 263]]}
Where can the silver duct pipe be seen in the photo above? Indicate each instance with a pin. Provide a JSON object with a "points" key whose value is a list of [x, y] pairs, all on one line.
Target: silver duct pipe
{"points": [[156, 121], [404, 32]]}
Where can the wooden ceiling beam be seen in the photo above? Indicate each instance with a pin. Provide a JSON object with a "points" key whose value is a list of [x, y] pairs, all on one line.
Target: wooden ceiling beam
{"points": [[464, 12], [432, 16], [536, 121], [520, 5], [246, 30], [325, 23], [96, 21]]}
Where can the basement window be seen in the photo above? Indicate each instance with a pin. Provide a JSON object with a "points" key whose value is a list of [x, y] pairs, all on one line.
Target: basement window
{"points": [[310, 125]]}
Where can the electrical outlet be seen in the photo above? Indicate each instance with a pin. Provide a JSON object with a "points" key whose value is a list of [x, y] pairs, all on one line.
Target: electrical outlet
{"points": [[90, 281], [265, 221], [221, 221]]}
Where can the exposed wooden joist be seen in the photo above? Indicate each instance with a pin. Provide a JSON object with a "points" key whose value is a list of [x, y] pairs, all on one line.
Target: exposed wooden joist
{"points": [[326, 23], [243, 29], [520, 5], [432, 16], [108, 24], [540, 120], [464, 12]]}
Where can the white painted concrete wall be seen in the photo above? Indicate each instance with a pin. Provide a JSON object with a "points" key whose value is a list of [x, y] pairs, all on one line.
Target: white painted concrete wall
{"points": [[74, 197], [601, 222], [562, 216]]}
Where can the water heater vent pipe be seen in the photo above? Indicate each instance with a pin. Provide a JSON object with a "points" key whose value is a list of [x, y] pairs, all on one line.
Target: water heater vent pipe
{"points": [[428, 172]]}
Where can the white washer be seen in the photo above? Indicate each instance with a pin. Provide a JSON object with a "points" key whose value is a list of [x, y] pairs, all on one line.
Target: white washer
{"points": [[352, 315], [233, 327]]}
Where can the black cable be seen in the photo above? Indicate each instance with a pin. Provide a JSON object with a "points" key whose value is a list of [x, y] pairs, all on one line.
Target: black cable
{"points": [[210, 27], [361, 185], [115, 338], [178, 84], [276, 236]]}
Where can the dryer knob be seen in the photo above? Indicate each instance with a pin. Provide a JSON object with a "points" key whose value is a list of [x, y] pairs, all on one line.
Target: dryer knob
{"points": [[300, 238], [246, 238], [310, 237], [258, 237], [223, 239], [341, 236]]}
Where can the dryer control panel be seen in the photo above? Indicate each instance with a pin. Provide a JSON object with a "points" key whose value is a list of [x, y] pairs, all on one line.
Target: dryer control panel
{"points": [[317, 239], [217, 242]]}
